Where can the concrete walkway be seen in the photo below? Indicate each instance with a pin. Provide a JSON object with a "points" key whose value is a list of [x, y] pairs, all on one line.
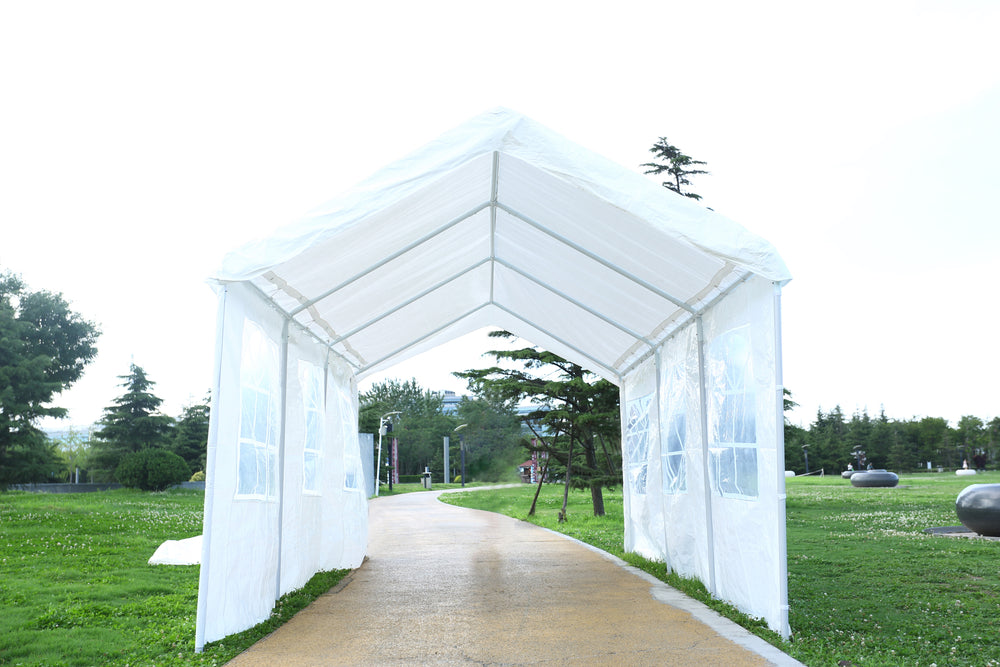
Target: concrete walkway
{"points": [[450, 586]]}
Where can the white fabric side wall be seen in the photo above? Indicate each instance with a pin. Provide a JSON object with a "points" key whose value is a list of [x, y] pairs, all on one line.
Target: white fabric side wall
{"points": [[324, 514], [240, 544], [748, 536], [640, 462], [667, 520]]}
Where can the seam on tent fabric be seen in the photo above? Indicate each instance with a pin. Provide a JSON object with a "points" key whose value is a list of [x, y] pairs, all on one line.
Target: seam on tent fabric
{"points": [[639, 337], [597, 258], [399, 253], [560, 340], [409, 301], [417, 341]]}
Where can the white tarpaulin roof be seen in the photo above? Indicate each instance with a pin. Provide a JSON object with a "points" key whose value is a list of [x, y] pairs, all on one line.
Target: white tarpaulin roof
{"points": [[502, 222]]}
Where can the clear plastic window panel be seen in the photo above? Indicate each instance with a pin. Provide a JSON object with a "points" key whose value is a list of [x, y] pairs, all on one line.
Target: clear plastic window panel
{"points": [[637, 443], [311, 384], [672, 457], [732, 416], [258, 440]]}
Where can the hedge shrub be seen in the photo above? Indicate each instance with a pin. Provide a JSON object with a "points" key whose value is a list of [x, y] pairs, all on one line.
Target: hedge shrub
{"points": [[152, 470]]}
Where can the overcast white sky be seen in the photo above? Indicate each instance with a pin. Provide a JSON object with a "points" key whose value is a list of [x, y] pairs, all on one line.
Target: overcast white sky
{"points": [[140, 142]]}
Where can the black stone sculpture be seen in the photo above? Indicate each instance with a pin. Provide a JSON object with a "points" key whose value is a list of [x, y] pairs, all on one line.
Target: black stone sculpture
{"points": [[868, 478], [978, 508]]}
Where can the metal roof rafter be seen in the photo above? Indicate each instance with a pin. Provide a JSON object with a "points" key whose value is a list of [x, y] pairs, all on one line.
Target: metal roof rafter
{"points": [[417, 341], [409, 301], [399, 253], [597, 258], [639, 337], [559, 339]]}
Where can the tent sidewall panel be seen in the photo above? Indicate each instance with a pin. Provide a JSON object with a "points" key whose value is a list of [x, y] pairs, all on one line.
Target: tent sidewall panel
{"points": [[320, 529], [743, 556]]}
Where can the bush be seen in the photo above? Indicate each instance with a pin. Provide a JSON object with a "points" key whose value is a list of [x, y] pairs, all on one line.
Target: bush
{"points": [[198, 476], [152, 470]]}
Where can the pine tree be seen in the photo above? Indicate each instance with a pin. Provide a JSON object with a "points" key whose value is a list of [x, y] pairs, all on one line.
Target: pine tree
{"points": [[676, 165], [570, 402], [133, 423]]}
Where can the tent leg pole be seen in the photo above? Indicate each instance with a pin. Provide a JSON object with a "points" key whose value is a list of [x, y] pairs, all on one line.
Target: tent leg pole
{"points": [[659, 452], [705, 462], [779, 444], [283, 372], [213, 440]]}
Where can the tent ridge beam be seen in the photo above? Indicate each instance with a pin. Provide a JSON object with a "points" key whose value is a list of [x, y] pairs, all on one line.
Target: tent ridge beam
{"points": [[597, 258], [429, 334], [544, 285], [396, 255], [494, 188], [417, 297], [559, 339]]}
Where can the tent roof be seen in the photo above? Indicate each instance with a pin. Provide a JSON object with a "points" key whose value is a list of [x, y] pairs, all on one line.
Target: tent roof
{"points": [[501, 222]]}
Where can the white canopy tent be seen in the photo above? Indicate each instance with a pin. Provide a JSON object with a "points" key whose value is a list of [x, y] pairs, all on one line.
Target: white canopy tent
{"points": [[499, 223]]}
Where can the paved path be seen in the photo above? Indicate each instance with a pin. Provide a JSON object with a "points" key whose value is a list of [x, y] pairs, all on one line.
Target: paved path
{"points": [[450, 586]]}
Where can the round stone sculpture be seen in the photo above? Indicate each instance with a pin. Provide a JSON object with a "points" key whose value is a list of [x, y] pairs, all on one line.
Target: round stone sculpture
{"points": [[978, 508], [965, 471], [870, 478]]}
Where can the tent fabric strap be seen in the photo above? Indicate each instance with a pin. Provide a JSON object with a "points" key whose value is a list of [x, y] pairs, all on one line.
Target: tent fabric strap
{"points": [[716, 299]]}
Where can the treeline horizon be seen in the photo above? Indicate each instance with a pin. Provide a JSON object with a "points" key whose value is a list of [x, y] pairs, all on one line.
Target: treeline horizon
{"points": [[833, 440]]}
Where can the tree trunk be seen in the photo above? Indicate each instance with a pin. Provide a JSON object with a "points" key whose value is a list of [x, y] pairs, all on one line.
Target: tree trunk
{"points": [[596, 494], [538, 489], [569, 474]]}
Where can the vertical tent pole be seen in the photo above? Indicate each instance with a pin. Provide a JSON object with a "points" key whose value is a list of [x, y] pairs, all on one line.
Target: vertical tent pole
{"points": [[659, 447], [213, 439], [703, 398], [282, 421], [779, 445]]}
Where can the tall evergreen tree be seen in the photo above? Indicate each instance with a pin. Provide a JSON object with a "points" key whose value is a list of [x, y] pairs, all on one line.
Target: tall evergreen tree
{"points": [[676, 165], [133, 423]]}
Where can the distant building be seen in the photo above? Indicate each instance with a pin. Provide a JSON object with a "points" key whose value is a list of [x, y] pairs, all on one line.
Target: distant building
{"points": [[450, 404]]}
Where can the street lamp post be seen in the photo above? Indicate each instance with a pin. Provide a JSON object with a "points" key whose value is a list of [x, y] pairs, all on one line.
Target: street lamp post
{"points": [[461, 447], [384, 424]]}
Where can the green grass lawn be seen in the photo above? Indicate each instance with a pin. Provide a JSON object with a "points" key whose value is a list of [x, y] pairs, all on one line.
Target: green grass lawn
{"points": [[865, 584], [76, 589]]}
